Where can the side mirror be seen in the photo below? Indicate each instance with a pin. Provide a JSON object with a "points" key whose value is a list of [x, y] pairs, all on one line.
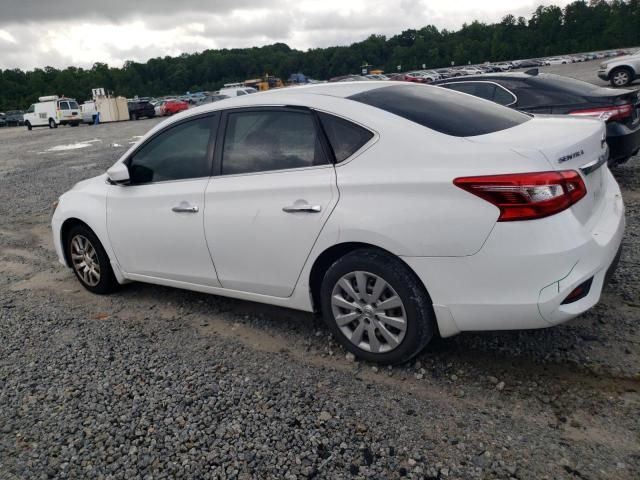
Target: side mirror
{"points": [[118, 173]]}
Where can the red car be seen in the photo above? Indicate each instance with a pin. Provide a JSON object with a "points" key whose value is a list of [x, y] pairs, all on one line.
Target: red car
{"points": [[171, 107], [412, 77]]}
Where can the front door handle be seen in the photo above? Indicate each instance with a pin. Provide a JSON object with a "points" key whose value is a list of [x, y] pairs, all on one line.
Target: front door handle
{"points": [[185, 208], [302, 207]]}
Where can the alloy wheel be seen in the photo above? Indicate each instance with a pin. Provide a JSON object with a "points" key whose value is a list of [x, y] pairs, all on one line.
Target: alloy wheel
{"points": [[85, 260], [369, 312], [621, 78]]}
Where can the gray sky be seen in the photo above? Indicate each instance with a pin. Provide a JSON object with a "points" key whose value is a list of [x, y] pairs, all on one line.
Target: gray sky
{"points": [[37, 33]]}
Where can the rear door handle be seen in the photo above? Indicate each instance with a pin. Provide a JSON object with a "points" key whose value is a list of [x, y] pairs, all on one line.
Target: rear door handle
{"points": [[302, 207], [185, 208]]}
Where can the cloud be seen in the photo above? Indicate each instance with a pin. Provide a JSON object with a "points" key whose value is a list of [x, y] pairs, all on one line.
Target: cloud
{"points": [[12, 11], [36, 33]]}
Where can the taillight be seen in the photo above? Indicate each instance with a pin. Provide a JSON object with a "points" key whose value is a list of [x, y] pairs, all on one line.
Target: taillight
{"points": [[608, 114], [526, 196]]}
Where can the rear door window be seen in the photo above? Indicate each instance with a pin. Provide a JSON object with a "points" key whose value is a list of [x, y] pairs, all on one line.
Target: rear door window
{"points": [[478, 89], [442, 110], [73, 105], [265, 140], [344, 137], [63, 105], [487, 90]]}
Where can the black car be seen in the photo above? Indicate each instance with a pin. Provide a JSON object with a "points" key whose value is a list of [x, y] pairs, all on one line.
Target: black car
{"points": [[544, 93], [3, 121], [14, 118], [141, 108]]}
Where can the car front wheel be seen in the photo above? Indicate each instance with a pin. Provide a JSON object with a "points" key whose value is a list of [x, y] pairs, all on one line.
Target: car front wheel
{"points": [[89, 261], [376, 307], [621, 77]]}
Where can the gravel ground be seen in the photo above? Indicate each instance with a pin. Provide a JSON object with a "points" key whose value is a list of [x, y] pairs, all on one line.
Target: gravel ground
{"points": [[154, 382]]}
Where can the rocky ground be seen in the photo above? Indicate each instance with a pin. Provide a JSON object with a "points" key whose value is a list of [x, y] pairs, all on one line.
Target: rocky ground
{"points": [[154, 382]]}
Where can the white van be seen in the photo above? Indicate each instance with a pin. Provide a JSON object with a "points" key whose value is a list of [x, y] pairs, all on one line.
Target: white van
{"points": [[52, 111]]}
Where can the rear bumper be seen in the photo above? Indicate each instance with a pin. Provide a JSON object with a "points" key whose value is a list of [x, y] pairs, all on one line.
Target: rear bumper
{"points": [[623, 141], [525, 270]]}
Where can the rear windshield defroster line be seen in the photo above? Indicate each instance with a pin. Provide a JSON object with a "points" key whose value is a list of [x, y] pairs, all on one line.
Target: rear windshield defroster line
{"points": [[442, 110]]}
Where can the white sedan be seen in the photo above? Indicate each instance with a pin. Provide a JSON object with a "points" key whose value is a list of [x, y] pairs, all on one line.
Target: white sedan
{"points": [[397, 210]]}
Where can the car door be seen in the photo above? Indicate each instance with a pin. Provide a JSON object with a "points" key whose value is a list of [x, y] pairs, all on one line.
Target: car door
{"points": [[274, 189], [155, 223]]}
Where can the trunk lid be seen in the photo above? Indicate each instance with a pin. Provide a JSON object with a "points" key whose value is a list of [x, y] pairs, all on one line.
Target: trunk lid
{"points": [[567, 144]]}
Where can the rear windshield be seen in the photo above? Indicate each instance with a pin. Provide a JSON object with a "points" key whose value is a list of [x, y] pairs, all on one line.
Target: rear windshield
{"points": [[566, 84], [442, 110]]}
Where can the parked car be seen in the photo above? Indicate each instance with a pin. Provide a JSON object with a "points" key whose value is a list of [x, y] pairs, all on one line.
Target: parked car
{"points": [[237, 91], [210, 99], [140, 108], [377, 76], [52, 111], [444, 72], [14, 118], [3, 120], [530, 63], [621, 71], [411, 77], [510, 222], [470, 71], [557, 61], [422, 76], [505, 67], [544, 93], [157, 107], [171, 107], [340, 78]]}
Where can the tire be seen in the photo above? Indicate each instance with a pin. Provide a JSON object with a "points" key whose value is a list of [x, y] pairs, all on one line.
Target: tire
{"points": [[29, 127], [133, 116], [52, 123], [410, 325], [74, 124], [81, 241], [621, 77]]}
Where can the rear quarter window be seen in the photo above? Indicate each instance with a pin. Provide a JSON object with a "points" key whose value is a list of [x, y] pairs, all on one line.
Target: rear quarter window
{"points": [[442, 110], [345, 137]]}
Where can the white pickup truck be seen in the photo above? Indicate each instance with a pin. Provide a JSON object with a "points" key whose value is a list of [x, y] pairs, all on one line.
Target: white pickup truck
{"points": [[621, 71]]}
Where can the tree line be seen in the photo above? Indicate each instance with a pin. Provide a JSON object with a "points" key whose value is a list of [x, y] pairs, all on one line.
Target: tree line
{"points": [[551, 30]]}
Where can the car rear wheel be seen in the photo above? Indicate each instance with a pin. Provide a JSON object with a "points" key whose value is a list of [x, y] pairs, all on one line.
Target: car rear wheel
{"points": [[52, 123], [89, 261], [376, 307], [621, 77], [134, 116]]}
